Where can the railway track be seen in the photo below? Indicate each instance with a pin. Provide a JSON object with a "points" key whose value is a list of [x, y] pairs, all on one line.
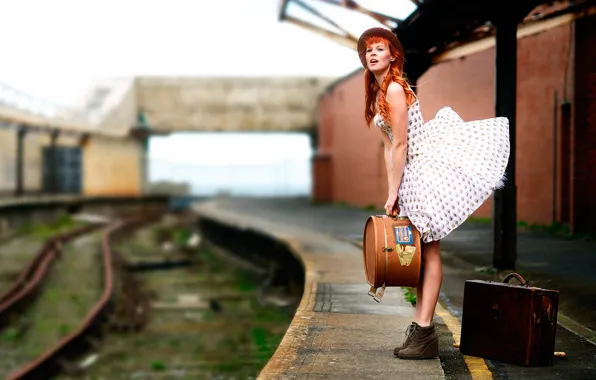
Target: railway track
{"points": [[29, 287], [154, 311], [183, 313]]}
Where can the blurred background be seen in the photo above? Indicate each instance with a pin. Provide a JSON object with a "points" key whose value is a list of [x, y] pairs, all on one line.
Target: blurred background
{"points": [[87, 62], [139, 109], [265, 98]]}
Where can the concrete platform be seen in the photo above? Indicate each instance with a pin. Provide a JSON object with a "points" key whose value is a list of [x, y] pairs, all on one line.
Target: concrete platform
{"points": [[339, 332]]}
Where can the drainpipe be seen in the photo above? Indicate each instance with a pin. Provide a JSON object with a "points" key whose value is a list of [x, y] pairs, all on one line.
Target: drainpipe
{"points": [[19, 189], [53, 174]]}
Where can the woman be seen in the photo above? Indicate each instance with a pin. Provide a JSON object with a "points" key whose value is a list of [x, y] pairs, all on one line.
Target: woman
{"points": [[438, 172]]}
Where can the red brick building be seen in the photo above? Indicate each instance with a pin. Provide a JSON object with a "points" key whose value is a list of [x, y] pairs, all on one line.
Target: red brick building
{"points": [[556, 122]]}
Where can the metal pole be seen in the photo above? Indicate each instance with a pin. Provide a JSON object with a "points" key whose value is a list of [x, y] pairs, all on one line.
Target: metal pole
{"points": [[555, 155], [53, 162], [505, 200], [20, 161]]}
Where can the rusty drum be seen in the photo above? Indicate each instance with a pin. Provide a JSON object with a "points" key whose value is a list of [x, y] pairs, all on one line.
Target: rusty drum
{"points": [[392, 252]]}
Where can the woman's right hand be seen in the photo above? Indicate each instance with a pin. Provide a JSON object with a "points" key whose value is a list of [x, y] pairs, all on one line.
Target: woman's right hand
{"points": [[391, 206]]}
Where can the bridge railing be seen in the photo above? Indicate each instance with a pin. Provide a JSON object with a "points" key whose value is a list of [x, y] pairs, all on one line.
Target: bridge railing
{"points": [[19, 108], [18, 100]]}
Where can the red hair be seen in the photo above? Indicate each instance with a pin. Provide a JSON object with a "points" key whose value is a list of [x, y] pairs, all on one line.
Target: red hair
{"points": [[371, 87]]}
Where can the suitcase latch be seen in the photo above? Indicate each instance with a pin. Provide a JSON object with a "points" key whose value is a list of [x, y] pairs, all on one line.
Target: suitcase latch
{"points": [[387, 249]]}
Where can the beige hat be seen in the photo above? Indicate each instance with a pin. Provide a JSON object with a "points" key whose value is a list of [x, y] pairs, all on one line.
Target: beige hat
{"points": [[381, 32]]}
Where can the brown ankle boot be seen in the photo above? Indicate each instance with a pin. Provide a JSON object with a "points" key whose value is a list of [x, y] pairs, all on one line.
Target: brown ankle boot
{"points": [[424, 344], [409, 332]]}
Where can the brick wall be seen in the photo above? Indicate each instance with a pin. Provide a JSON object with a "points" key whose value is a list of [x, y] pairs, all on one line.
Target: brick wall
{"points": [[466, 85], [322, 169], [357, 167]]}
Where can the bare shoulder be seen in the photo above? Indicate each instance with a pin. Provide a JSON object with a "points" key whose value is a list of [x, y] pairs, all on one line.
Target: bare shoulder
{"points": [[396, 93]]}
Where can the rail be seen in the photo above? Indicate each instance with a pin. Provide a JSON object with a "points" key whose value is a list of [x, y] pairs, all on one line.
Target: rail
{"points": [[29, 284], [29, 281]]}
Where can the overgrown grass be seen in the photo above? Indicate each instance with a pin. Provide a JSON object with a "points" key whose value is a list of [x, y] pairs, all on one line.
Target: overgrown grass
{"points": [[179, 235], [343, 204], [45, 230], [479, 220], [557, 229]]}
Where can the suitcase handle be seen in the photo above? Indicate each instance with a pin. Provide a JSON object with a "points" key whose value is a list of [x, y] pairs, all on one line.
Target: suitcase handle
{"points": [[519, 278]]}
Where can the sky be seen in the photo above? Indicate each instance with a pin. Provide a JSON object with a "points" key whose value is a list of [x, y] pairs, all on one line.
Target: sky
{"points": [[54, 50], [245, 164]]}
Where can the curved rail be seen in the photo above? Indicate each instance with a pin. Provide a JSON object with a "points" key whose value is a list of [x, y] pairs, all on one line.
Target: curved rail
{"points": [[30, 280], [49, 363]]}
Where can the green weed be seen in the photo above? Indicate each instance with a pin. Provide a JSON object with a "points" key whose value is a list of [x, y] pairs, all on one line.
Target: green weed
{"points": [[410, 295]]}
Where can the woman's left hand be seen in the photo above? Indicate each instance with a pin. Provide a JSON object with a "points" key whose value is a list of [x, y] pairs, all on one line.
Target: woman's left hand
{"points": [[391, 204]]}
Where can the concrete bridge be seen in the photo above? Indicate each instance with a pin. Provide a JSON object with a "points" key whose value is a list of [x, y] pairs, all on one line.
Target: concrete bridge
{"points": [[229, 104], [174, 104], [103, 139]]}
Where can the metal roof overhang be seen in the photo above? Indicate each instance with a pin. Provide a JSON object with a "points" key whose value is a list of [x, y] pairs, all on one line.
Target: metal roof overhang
{"points": [[435, 26], [440, 25]]}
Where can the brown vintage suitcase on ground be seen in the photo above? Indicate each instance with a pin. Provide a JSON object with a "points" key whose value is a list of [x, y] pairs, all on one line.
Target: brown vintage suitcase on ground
{"points": [[510, 323], [392, 253]]}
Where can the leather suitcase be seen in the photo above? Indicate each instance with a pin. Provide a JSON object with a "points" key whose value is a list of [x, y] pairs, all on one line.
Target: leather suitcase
{"points": [[510, 323], [392, 253]]}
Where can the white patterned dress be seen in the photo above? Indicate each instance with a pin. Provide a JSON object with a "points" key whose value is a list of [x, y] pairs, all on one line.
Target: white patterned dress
{"points": [[452, 167]]}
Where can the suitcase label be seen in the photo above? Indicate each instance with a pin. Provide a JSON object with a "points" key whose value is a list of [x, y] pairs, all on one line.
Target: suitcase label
{"points": [[405, 254], [403, 235]]}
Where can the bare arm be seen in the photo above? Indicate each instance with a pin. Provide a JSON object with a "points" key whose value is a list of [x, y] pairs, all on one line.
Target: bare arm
{"points": [[396, 97], [387, 156]]}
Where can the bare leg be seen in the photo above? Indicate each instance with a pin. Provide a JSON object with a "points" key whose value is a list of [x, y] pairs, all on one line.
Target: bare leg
{"points": [[427, 294], [419, 293], [422, 342]]}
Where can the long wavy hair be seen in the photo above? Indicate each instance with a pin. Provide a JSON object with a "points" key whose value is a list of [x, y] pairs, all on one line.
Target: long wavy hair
{"points": [[372, 88]]}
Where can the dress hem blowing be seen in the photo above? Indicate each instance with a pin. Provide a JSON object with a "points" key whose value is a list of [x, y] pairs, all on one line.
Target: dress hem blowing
{"points": [[452, 167]]}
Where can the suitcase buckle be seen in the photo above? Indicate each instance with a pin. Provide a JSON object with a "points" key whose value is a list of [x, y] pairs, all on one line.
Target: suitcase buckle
{"points": [[387, 249]]}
